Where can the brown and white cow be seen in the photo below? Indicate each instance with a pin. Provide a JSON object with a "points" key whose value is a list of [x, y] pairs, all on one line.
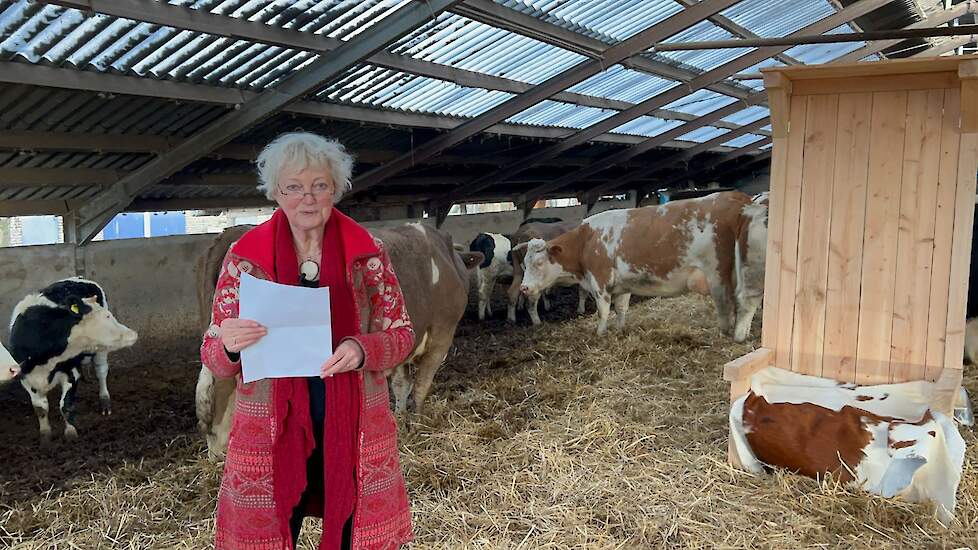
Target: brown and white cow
{"points": [[884, 439], [543, 228], [434, 277], [663, 250]]}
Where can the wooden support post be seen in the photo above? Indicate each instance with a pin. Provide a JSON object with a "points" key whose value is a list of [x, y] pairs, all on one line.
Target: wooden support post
{"points": [[968, 73], [779, 94]]}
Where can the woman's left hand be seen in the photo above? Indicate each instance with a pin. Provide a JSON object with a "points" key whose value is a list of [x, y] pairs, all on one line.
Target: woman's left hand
{"points": [[347, 357]]}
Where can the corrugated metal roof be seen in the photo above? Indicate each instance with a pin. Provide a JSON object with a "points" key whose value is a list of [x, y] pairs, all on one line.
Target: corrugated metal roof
{"points": [[706, 133], [748, 115], [459, 42], [700, 102], [605, 20], [623, 84], [47, 34], [743, 140]]}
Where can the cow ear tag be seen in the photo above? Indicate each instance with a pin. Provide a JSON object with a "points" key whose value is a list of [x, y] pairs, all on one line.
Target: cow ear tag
{"points": [[74, 308]]}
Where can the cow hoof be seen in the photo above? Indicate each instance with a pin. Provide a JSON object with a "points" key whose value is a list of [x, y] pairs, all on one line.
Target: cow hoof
{"points": [[106, 407], [45, 441], [71, 433]]}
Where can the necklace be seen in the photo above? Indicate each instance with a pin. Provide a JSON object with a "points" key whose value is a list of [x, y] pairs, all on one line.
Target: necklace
{"points": [[309, 269]]}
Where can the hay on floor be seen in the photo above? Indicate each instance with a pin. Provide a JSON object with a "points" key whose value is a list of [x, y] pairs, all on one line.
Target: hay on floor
{"points": [[544, 437]]}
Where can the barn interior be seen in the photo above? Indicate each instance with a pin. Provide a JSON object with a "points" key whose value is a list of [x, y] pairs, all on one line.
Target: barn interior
{"points": [[108, 107]]}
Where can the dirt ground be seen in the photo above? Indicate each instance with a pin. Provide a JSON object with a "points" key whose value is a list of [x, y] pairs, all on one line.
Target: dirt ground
{"points": [[533, 437]]}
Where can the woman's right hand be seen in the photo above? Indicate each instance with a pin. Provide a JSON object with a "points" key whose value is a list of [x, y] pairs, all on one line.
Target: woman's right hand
{"points": [[237, 334]]}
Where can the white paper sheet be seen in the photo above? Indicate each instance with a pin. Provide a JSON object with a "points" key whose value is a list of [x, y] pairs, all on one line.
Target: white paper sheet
{"points": [[299, 338]]}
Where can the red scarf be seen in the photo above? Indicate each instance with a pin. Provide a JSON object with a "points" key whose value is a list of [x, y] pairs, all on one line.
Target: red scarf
{"points": [[294, 441]]}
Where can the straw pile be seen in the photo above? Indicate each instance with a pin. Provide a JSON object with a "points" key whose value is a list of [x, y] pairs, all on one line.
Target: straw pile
{"points": [[546, 437]]}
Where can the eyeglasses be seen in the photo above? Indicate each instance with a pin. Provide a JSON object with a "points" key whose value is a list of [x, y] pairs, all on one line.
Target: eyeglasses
{"points": [[295, 190]]}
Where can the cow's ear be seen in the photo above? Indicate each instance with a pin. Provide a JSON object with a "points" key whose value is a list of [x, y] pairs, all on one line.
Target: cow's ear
{"points": [[555, 249]]}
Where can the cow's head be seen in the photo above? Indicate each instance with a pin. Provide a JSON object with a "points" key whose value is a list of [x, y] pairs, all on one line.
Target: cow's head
{"points": [[9, 369], [541, 266], [97, 329], [471, 259]]}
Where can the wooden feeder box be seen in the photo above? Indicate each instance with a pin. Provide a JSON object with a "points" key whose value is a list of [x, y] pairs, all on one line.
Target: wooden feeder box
{"points": [[870, 223]]}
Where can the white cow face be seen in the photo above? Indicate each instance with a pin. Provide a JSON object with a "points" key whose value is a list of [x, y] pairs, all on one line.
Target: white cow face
{"points": [[540, 268], [9, 369], [98, 330]]}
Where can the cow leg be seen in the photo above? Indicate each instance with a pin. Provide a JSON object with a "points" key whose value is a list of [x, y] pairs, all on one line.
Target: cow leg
{"points": [[514, 296], [581, 300], [102, 373], [39, 401], [428, 365], [721, 301], [532, 301], [480, 278], [546, 300], [746, 308], [971, 341], [621, 308], [214, 400], [69, 392], [604, 309], [401, 386]]}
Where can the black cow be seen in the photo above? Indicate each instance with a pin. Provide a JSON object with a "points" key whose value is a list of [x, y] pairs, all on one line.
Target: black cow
{"points": [[56, 330], [971, 331], [494, 248]]}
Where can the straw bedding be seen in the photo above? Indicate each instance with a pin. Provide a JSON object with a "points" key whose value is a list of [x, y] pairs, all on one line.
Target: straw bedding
{"points": [[534, 437]]}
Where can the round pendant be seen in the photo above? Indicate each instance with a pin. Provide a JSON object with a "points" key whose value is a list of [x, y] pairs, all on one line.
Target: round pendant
{"points": [[309, 270]]}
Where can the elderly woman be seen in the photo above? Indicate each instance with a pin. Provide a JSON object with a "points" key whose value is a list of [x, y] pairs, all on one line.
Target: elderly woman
{"points": [[323, 446]]}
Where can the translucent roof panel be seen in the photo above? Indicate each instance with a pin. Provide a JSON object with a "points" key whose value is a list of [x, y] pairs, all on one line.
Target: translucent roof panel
{"points": [[748, 115], [703, 60], [623, 84], [649, 126], [377, 87], [700, 102], [763, 19], [460, 42], [823, 53], [759, 83], [743, 140], [705, 133], [564, 115], [606, 20]]}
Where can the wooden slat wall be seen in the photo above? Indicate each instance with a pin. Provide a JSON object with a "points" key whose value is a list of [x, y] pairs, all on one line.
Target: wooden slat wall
{"points": [[813, 234], [848, 208], [880, 239], [964, 212], [869, 240], [789, 241], [918, 203], [947, 180]]}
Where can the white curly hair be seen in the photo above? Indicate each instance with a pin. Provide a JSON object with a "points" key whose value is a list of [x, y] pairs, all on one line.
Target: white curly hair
{"points": [[298, 151]]}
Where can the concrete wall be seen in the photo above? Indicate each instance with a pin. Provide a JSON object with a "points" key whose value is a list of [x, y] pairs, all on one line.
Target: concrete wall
{"points": [[150, 283]]}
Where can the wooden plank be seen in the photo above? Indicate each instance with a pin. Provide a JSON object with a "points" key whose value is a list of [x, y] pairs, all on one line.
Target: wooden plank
{"points": [[927, 81], [745, 366], [775, 227], [968, 73], [890, 67], [789, 240], [813, 234], [848, 209], [778, 95], [918, 202], [964, 215], [880, 238], [943, 233]]}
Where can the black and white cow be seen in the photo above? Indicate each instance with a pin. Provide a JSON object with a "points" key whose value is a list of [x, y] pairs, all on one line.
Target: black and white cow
{"points": [[53, 332], [9, 369], [495, 251]]}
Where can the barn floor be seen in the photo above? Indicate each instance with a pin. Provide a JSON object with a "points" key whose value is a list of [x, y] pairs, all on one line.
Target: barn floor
{"points": [[546, 437]]}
